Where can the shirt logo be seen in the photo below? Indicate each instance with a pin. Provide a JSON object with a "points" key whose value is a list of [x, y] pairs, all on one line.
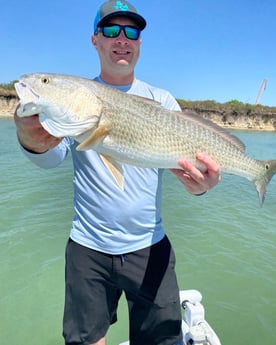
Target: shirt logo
{"points": [[120, 6]]}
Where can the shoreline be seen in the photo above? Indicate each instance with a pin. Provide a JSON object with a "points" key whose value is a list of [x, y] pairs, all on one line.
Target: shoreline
{"points": [[239, 116]]}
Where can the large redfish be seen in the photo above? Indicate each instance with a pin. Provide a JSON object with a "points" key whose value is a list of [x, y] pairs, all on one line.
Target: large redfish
{"points": [[125, 128]]}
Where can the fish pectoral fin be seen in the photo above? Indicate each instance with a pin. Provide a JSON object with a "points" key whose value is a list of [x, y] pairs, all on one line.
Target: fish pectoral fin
{"points": [[94, 138], [115, 169]]}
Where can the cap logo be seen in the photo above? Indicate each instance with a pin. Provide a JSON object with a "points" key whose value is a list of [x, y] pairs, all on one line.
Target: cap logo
{"points": [[120, 6]]}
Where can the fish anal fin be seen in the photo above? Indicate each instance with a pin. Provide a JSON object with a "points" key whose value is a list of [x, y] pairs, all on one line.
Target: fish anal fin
{"points": [[95, 137], [115, 169]]}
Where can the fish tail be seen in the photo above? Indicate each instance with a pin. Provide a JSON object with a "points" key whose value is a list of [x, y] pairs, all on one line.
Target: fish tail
{"points": [[262, 182]]}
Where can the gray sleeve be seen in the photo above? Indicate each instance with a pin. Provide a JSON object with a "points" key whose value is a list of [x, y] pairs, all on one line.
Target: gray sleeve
{"points": [[51, 158]]}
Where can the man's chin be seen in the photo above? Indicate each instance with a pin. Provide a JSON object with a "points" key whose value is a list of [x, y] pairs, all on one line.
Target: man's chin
{"points": [[122, 62]]}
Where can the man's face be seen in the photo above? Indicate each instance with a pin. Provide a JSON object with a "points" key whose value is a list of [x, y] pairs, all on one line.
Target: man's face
{"points": [[118, 55]]}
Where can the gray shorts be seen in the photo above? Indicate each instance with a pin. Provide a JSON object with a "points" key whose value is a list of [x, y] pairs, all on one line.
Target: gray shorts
{"points": [[95, 282]]}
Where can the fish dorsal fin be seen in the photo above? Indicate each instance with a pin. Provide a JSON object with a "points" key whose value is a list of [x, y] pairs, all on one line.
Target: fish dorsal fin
{"points": [[95, 137], [115, 169], [145, 100], [193, 116]]}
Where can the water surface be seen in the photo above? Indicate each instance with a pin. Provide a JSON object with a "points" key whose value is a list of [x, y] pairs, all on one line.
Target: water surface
{"points": [[225, 246]]}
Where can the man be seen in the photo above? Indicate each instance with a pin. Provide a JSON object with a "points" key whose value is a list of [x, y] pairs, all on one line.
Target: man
{"points": [[117, 241]]}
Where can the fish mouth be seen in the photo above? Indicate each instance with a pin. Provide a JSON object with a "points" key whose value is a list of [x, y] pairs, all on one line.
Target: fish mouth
{"points": [[27, 100], [25, 93]]}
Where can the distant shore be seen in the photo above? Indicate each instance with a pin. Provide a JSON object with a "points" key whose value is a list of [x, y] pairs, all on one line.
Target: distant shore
{"points": [[232, 115], [8, 102]]}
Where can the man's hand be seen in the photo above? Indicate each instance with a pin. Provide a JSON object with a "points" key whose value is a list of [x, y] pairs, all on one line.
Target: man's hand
{"points": [[32, 136], [195, 181]]}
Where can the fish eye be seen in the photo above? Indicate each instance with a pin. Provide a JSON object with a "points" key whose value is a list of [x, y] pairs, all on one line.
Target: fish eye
{"points": [[45, 80]]}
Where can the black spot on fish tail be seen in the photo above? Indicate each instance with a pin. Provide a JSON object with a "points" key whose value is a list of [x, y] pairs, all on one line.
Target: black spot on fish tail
{"points": [[262, 182]]}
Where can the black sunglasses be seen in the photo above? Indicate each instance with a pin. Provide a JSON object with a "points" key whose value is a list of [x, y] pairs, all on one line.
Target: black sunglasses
{"points": [[112, 31]]}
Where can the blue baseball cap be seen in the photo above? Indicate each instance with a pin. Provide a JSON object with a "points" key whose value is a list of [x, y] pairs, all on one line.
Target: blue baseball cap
{"points": [[114, 8]]}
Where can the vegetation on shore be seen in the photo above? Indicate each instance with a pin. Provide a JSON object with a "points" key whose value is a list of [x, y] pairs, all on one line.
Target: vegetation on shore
{"points": [[233, 106], [8, 90]]}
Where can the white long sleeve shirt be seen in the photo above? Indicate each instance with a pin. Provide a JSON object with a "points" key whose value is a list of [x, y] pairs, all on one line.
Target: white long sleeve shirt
{"points": [[106, 218]]}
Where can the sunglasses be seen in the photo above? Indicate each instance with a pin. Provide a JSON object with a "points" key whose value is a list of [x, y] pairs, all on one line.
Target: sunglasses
{"points": [[112, 31]]}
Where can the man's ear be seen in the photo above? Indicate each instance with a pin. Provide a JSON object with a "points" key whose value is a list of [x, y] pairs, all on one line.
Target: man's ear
{"points": [[94, 40]]}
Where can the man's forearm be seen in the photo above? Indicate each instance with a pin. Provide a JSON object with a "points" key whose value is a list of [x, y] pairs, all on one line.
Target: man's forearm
{"points": [[51, 158]]}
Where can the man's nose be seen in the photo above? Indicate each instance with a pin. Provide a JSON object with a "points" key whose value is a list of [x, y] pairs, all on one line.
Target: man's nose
{"points": [[122, 38]]}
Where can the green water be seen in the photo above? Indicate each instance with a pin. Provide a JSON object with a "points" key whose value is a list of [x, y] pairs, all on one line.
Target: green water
{"points": [[224, 242]]}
